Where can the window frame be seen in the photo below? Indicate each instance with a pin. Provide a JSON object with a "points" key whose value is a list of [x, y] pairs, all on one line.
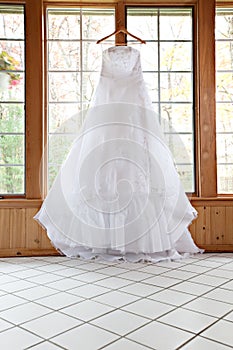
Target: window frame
{"points": [[23, 102], [194, 83], [226, 5], [204, 24]]}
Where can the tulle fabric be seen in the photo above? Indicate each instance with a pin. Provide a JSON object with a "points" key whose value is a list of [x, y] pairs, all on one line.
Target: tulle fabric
{"points": [[118, 195]]}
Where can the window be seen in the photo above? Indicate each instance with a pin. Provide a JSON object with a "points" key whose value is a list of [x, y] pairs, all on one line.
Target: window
{"points": [[12, 106], [224, 99], [167, 63], [73, 60]]}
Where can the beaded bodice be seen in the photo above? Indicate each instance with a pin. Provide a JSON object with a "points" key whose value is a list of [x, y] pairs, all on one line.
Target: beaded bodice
{"points": [[121, 61]]}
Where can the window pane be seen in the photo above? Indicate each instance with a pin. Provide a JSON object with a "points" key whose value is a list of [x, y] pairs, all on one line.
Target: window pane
{"points": [[64, 86], [97, 23], [224, 89], [74, 62], [176, 56], [64, 55], [224, 99], [12, 96], [151, 80], [63, 24], [176, 117], [12, 22], [147, 22], [176, 87], [11, 120], [11, 179], [175, 24], [167, 63], [60, 114]]}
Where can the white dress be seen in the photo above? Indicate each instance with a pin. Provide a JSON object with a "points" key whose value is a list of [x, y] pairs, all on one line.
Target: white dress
{"points": [[118, 195]]}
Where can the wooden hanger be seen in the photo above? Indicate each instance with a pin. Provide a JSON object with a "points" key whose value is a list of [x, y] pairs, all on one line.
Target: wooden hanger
{"points": [[121, 30]]}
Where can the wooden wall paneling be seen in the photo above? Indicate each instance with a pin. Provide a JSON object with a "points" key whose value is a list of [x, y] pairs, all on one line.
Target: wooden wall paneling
{"points": [[45, 241], [228, 234], [17, 228], [192, 229], [202, 233], [218, 225], [199, 237], [33, 231], [207, 224], [4, 228]]}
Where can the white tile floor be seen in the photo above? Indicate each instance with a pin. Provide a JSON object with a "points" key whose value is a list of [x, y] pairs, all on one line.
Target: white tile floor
{"points": [[49, 303]]}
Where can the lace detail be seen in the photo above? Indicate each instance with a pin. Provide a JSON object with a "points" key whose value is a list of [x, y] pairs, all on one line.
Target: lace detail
{"points": [[121, 61]]}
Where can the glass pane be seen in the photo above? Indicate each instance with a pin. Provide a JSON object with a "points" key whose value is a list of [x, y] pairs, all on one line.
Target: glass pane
{"points": [[92, 56], [151, 80], [149, 57], [224, 117], [97, 23], [11, 149], [64, 87], [11, 118], [52, 173], [64, 55], [186, 173], [176, 87], [143, 22], [181, 146], [11, 179], [224, 56], [167, 63], [59, 146], [176, 56], [64, 24], [88, 85], [225, 178], [177, 117], [224, 93], [225, 148], [11, 22], [224, 83], [223, 24], [76, 60], [12, 97], [16, 50], [60, 115], [175, 24]]}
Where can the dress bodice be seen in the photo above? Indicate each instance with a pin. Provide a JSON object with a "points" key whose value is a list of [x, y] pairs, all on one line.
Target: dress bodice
{"points": [[121, 61], [121, 78]]}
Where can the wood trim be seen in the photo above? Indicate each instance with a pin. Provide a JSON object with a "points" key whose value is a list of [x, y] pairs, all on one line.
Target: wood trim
{"points": [[4, 253], [120, 22], [20, 203], [200, 202], [226, 3], [34, 102], [16, 2], [74, 3], [211, 248], [207, 127], [128, 2]]}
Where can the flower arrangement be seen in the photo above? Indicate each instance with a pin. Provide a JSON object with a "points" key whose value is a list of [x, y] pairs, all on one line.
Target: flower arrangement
{"points": [[8, 64]]}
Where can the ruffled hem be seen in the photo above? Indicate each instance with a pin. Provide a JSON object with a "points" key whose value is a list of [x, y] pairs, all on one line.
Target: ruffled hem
{"points": [[87, 254], [183, 248]]}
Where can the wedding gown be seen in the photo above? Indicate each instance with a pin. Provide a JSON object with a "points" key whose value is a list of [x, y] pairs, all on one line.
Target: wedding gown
{"points": [[118, 195]]}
